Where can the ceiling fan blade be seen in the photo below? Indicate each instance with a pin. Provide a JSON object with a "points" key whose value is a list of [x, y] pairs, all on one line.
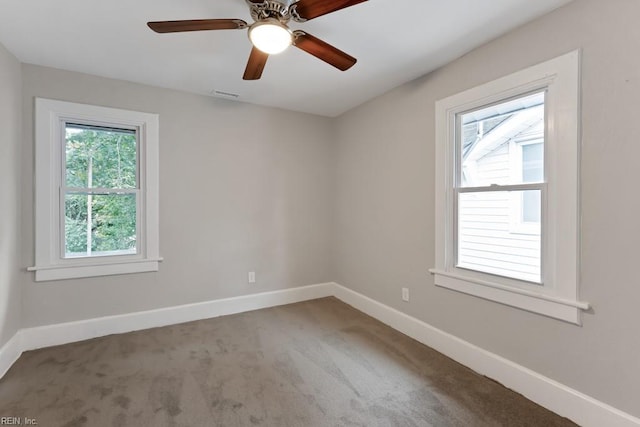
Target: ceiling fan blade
{"points": [[257, 61], [309, 9], [323, 50], [197, 25]]}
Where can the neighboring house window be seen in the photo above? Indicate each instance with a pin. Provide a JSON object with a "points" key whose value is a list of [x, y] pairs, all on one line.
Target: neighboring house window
{"points": [[532, 171], [527, 161], [96, 191], [507, 190]]}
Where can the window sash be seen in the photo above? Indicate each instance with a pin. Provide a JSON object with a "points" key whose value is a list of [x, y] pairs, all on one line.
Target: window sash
{"points": [[496, 187], [95, 125], [99, 192], [542, 187]]}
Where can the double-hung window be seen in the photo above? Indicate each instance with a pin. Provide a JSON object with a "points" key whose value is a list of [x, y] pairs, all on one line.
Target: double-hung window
{"points": [[96, 191], [495, 197], [507, 156]]}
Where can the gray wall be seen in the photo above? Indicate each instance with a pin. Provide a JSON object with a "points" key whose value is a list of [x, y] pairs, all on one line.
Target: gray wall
{"points": [[10, 125], [384, 212], [242, 188]]}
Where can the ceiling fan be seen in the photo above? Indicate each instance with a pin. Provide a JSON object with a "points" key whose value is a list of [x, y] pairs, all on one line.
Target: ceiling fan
{"points": [[270, 33]]}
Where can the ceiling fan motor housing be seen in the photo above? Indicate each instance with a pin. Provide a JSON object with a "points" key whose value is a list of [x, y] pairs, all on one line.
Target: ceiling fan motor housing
{"points": [[270, 9]]}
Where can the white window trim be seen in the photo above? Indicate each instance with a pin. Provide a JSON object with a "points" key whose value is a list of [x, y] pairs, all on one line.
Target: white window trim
{"points": [[50, 116], [558, 298]]}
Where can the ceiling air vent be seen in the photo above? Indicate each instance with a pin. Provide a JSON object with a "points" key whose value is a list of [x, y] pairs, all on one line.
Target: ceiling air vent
{"points": [[223, 94]]}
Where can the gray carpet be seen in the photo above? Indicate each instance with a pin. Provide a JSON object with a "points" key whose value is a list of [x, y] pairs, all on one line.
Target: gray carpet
{"points": [[317, 363]]}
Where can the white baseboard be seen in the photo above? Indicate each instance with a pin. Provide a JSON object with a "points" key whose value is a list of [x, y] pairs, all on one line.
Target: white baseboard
{"points": [[63, 333], [546, 392], [554, 396], [10, 352]]}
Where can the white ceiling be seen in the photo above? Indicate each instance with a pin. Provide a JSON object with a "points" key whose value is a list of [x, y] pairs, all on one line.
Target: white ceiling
{"points": [[395, 41]]}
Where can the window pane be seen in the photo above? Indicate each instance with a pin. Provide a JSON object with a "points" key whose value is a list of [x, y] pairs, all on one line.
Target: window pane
{"points": [[100, 225], [487, 241], [98, 157], [489, 139]]}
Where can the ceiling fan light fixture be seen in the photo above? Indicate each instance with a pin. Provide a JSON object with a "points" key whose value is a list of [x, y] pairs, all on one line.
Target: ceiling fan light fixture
{"points": [[270, 33], [270, 36]]}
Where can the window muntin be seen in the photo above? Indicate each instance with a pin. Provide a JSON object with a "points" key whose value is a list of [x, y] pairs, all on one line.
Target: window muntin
{"points": [[490, 181], [100, 197]]}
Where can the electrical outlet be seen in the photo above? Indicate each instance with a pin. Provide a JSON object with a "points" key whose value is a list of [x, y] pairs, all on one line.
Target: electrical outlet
{"points": [[405, 294], [252, 277]]}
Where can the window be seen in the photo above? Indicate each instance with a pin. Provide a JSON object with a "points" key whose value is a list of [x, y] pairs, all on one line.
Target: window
{"points": [[498, 196], [96, 191], [100, 191], [507, 190]]}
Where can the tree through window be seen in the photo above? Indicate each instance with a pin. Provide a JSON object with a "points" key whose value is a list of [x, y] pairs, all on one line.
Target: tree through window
{"points": [[97, 191], [100, 192]]}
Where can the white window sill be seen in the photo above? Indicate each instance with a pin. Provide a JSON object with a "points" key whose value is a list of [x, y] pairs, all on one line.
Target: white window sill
{"points": [[81, 270], [548, 305]]}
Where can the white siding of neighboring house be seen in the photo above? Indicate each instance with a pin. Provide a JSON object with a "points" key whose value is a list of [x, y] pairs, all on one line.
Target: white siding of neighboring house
{"points": [[489, 239]]}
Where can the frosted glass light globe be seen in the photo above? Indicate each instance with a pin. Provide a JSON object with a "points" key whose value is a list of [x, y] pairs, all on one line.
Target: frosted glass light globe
{"points": [[270, 36]]}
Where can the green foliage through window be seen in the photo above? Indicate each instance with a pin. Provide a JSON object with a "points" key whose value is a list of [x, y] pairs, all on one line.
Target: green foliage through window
{"points": [[102, 221]]}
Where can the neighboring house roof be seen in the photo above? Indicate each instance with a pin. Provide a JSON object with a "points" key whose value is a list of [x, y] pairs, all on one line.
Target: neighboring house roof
{"points": [[483, 136]]}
